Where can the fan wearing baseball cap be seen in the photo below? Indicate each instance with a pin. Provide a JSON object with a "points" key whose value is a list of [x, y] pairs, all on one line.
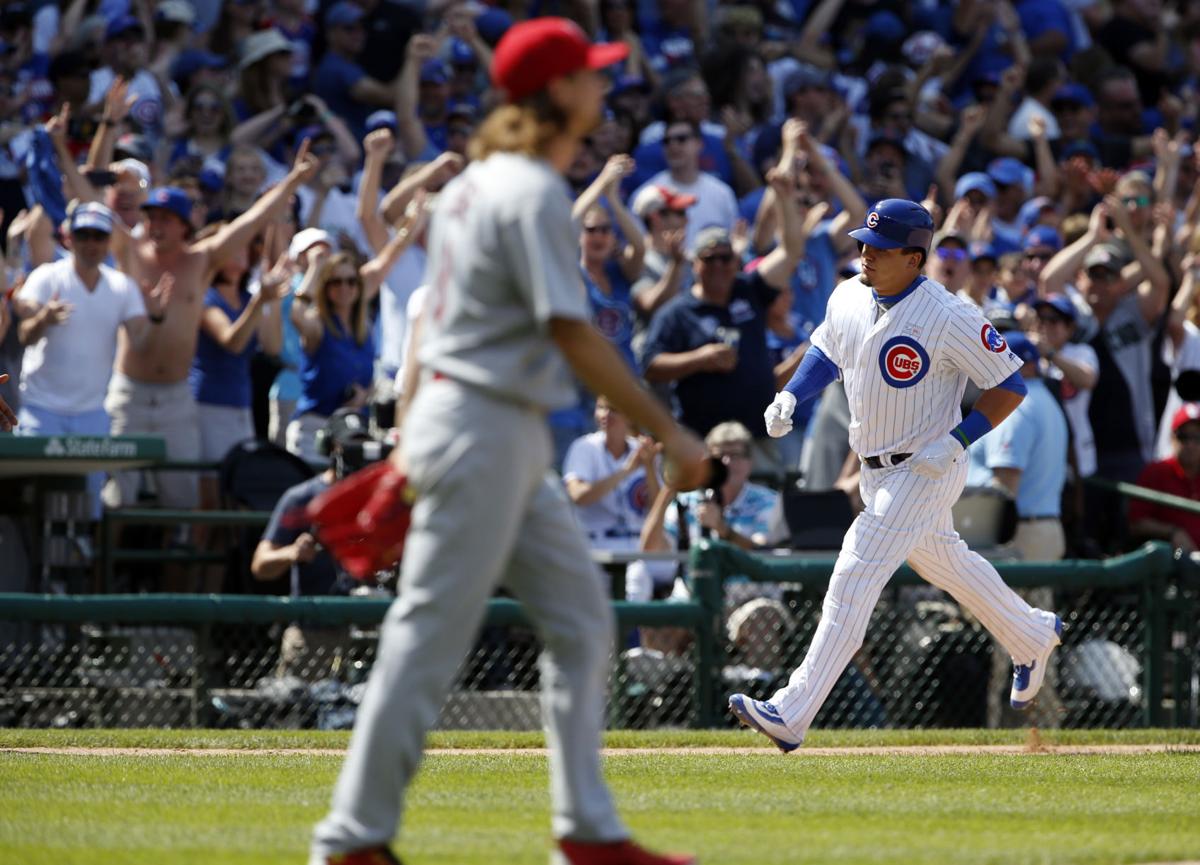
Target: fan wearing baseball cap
{"points": [[505, 330], [665, 269], [1178, 475], [149, 391], [1076, 368], [71, 312]]}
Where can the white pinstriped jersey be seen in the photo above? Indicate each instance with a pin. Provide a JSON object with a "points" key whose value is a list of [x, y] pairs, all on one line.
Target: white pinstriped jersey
{"points": [[905, 368]]}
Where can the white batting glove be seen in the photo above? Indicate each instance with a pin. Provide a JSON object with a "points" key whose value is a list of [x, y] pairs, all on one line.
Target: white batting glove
{"points": [[934, 460], [779, 414]]}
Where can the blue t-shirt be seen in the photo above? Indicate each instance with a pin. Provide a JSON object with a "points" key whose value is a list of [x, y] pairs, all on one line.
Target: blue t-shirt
{"points": [[1033, 439], [613, 314], [286, 387], [181, 148], [332, 80], [990, 59], [708, 398], [749, 203], [667, 47], [327, 373], [1043, 16], [218, 376], [815, 278], [320, 576], [780, 348]]}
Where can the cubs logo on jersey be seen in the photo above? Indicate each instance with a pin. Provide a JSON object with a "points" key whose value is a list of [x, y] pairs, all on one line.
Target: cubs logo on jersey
{"points": [[992, 340], [637, 496], [903, 361]]}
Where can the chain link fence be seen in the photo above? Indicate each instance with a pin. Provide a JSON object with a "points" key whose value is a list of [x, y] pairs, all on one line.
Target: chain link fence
{"points": [[174, 661], [927, 663], [150, 671]]}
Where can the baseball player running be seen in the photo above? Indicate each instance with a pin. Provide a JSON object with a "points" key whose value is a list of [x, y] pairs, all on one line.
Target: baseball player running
{"points": [[904, 347], [506, 323]]}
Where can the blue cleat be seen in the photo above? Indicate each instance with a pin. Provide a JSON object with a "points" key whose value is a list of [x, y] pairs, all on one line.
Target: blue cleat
{"points": [[761, 716], [1028, 678]]}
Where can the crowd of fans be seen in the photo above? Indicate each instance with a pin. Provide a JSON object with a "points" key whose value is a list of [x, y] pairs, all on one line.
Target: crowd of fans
{"points": [[214, 217]]}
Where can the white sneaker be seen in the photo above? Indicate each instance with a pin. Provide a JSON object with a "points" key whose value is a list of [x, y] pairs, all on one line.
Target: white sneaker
{"points": [[1028, 678], [762, 716]]}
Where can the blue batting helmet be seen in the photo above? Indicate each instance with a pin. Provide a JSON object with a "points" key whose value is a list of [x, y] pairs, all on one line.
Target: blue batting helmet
{"points": [[896, 223]]}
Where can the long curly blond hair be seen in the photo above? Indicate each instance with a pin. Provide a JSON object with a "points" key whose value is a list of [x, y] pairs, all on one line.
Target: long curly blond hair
{"points": [[525, 127]]}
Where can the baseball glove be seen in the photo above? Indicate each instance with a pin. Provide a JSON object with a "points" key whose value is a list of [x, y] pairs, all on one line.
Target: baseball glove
{"points": [[363, 519]]}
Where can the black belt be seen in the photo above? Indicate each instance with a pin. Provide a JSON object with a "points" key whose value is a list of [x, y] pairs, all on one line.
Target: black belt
{"points": [[878, 462], [614, 533], [1037, 519]]}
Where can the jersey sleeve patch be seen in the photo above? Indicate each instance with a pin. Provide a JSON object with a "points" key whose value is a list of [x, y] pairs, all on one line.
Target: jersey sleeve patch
{"points": [[903, 361], [991, 339]]}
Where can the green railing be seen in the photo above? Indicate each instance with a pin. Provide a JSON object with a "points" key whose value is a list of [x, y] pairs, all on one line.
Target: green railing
{"points": [[111, 553], [1149, 570], [66, 652]]}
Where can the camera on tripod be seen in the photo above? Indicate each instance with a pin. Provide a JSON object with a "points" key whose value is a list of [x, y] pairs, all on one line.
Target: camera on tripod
{"points": [[347, 442], [718, 473]]}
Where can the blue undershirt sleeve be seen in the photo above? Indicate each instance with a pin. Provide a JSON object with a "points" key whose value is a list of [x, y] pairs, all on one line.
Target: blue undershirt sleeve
{"points": [[976, 425], [1015, 383], [810, 378]]}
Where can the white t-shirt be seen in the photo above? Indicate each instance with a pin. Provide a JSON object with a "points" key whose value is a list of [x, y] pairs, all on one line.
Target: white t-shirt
{"points": [[147, 107], [1186, 357], [68, 368], [416, 303], [1018, 126], [615, 521], [1075, 404], [397, 289], [715, 202], [339, 214]]}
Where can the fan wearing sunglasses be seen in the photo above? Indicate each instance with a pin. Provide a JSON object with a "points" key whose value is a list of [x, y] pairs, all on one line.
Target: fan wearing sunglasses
{"points": [[950, 263], [710, 342]]}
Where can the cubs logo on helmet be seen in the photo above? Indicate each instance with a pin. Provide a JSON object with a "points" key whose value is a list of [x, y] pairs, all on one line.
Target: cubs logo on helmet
{"points": [[872, 219], [903, 361], [992, 340]]}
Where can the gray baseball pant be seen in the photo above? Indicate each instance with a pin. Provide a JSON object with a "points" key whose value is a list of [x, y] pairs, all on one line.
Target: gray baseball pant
{"points": [[489, 511]]}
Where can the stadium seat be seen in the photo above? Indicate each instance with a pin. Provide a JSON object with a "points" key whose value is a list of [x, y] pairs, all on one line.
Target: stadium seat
{"points": [[253, 476], [816, 519], [255, 473]]}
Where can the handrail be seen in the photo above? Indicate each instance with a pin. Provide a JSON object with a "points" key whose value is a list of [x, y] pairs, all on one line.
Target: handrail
{"points": [[1146, 494], [162, 516], [1126, 570], [261, 610]]}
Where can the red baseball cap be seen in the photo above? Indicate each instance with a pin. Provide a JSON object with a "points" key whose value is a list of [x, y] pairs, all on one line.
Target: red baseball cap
{"points": [[654, 198], [535, 52], [1186, 413]]}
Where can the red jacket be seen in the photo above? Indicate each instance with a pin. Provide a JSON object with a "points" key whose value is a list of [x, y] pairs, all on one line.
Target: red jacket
{"points": [[1166, 476]]}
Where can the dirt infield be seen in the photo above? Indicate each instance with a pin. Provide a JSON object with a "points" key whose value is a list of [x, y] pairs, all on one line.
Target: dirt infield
{"points": [[1037, 749]]}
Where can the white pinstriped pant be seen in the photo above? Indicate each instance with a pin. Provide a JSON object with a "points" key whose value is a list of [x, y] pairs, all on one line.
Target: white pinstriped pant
{"points": [[906, 517]]}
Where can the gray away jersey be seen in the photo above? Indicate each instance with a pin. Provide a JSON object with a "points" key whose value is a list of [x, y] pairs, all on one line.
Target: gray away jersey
{"points": [[503, 261], [906, 370]]}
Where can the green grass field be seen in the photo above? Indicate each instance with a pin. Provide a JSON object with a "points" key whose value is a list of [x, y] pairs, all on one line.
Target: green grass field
{"points": [[254, 808]]}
